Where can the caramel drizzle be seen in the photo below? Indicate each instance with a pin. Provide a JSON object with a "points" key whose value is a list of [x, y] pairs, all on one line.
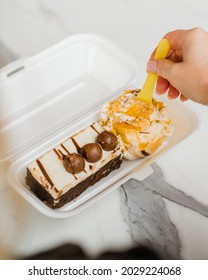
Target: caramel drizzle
{"points": [[45, 173], [92, 126]]}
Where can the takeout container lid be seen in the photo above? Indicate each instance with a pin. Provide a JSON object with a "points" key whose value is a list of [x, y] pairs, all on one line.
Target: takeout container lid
{"points": [[41, 95]]}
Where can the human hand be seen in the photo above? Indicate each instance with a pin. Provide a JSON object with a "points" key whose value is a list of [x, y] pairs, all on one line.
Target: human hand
{"points": [[184, 73]]}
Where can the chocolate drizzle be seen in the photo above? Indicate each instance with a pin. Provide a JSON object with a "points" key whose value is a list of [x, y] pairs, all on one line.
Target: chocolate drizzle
{"points": [[65, 149], [144, 132], [56, 152], [44, 172], [91, 152], [62, 154], [55, 189], [145, 153], [61, 198], [92, 126], [75, 144]]}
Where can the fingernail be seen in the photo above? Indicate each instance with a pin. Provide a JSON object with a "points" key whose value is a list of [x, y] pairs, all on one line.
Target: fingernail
{"points": [[170, 98], [183, 98], [152, 66], [157, 92]]}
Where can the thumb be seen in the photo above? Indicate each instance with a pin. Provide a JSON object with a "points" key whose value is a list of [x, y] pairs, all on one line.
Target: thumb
{"points": [[162, 67]]}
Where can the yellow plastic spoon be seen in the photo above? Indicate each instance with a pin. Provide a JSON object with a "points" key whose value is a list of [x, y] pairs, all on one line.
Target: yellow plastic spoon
{"points": [[146, 93]]}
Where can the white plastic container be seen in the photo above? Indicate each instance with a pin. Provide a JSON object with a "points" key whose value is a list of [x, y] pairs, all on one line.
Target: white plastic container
{"points": [[46, 98]]}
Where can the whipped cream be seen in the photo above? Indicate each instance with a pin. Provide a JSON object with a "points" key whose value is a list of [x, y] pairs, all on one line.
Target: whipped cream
{"points": [[141, 127]]}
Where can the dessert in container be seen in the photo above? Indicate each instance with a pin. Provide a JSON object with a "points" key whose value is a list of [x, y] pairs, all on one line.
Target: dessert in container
{"points": [[46, 98], [64, 172], [141, 127]]}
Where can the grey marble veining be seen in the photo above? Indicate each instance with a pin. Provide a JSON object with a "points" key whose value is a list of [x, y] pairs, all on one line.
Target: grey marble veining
{"points": [[145, 213]]}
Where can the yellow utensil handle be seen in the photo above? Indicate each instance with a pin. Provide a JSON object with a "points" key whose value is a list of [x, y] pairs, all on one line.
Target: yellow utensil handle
{"points": [[162, 49], [146, 93]]}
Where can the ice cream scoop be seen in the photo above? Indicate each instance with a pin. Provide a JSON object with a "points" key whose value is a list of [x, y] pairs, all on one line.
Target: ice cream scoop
{"points": [[141, 127]]}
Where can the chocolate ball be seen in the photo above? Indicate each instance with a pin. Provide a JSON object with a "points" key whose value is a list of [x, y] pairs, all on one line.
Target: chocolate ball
{"points": [[107, 140], [92, 152], [74, 163]]}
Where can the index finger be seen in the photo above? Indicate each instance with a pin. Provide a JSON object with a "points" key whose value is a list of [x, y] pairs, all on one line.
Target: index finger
{"points": [[176, 38]]}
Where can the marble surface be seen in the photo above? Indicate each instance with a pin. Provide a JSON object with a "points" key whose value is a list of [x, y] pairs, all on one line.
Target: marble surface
{"points": [[168, 210]]}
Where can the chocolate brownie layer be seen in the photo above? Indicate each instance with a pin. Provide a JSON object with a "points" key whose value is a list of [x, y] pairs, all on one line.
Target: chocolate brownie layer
{"points": [[43, 195]]}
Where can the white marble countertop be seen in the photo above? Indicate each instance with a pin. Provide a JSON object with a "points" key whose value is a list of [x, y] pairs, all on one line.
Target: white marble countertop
{"points": [[176, 225]]}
